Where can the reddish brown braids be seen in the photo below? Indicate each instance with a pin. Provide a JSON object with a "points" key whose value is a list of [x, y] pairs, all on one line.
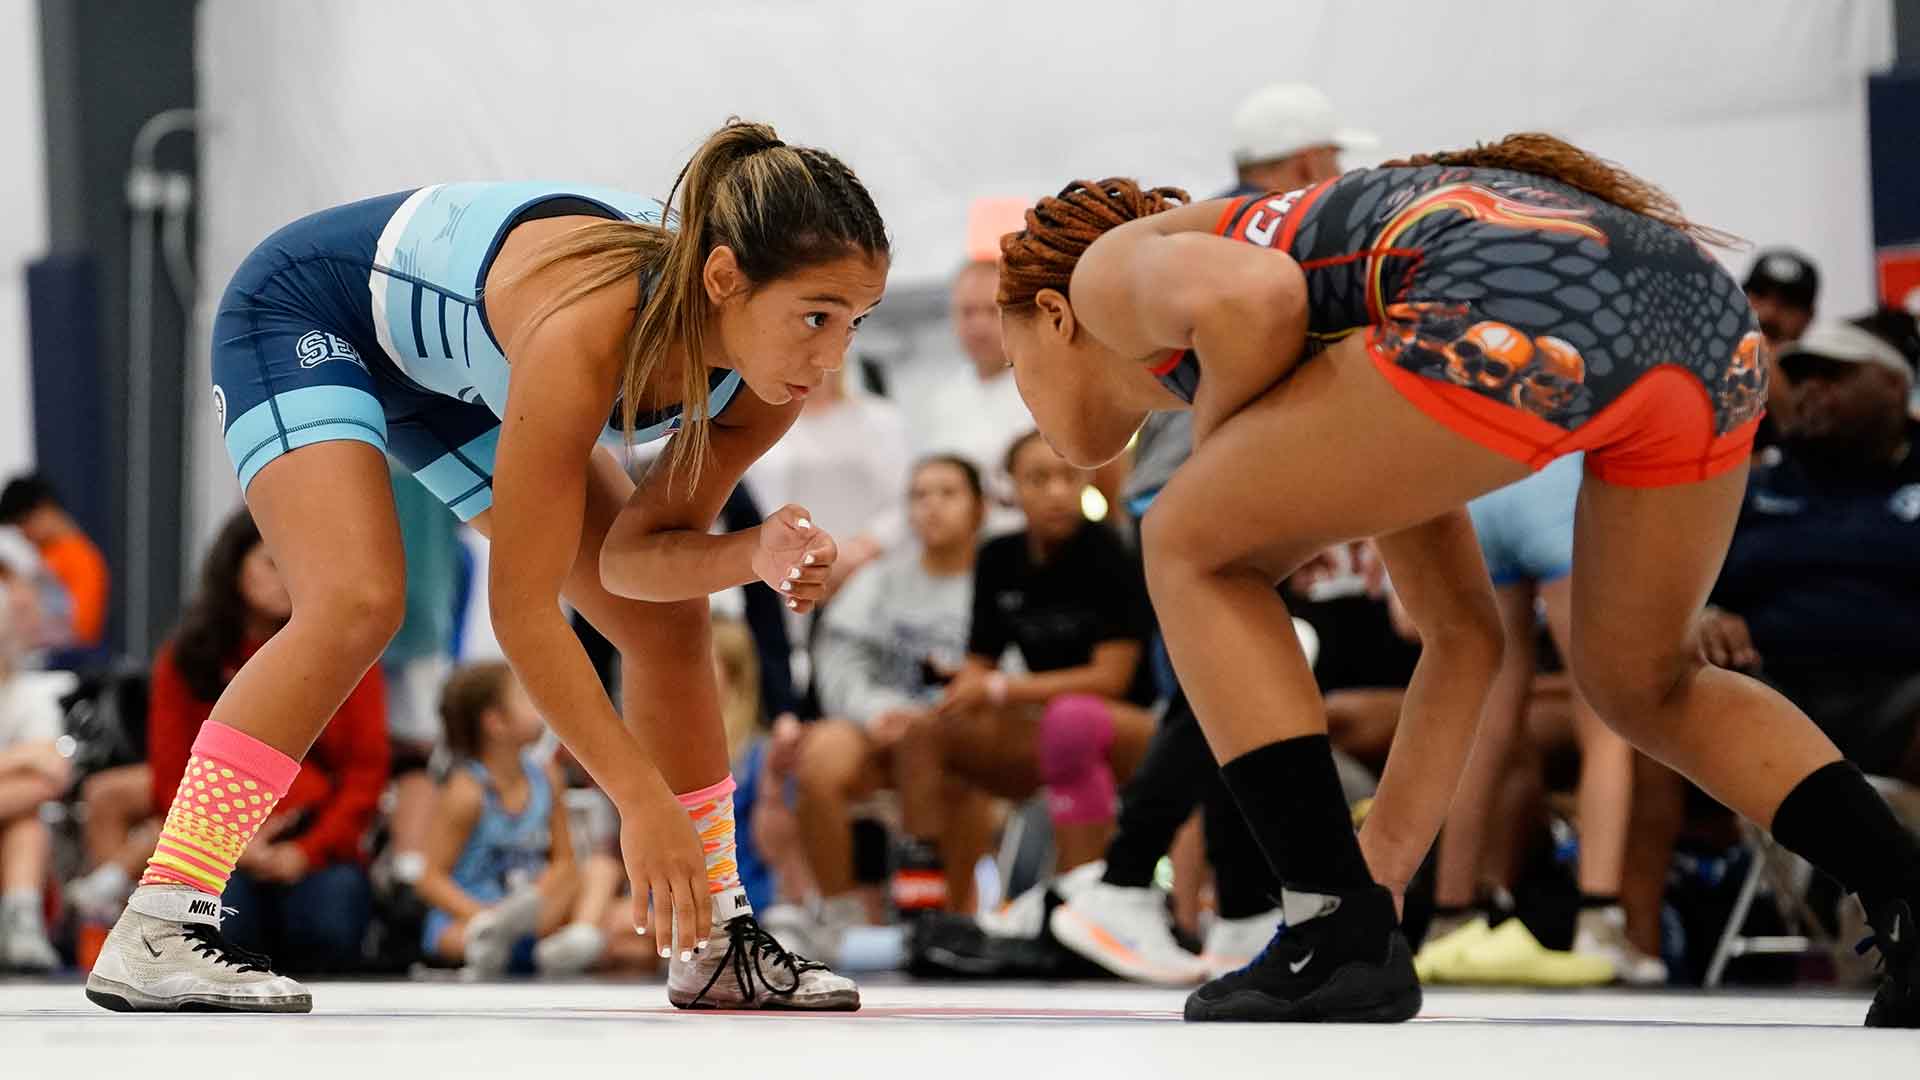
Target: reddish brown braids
{"points": [[1061, 228]]}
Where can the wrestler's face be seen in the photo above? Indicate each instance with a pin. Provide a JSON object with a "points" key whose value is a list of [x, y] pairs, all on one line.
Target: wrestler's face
{"points": [[1065, 376]]}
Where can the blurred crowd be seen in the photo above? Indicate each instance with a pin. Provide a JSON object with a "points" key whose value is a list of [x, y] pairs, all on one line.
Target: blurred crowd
{"points": [[974, 760]]}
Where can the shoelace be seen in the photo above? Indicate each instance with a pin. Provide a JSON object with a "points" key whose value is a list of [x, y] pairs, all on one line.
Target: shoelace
{"points": [[210, 943], [748, 943], [1886, 963]]}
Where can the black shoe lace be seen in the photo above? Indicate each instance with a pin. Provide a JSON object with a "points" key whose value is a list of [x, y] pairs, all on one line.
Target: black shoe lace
{"points": [[210, 943], [748, 944], [1895, 959]]}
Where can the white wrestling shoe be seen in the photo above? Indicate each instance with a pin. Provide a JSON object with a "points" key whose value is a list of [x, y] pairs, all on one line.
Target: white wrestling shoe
{"points": [[166, 954], [744, 967], [1126, 931]]}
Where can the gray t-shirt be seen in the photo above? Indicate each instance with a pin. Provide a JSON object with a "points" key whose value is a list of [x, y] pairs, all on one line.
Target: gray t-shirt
{"points": [[1166, 441], [882, 631]]}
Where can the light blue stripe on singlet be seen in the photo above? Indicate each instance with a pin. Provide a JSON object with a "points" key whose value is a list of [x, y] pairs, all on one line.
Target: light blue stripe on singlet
{"points": [[456, 475], [301, 417]]}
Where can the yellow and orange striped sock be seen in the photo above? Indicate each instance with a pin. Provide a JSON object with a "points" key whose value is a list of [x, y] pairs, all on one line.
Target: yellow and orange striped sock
{"points": [[711, 809], [232, 783]]}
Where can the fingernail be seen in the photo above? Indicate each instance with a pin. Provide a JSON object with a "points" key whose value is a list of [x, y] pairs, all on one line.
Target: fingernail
{"points": [[786, 586], [809, 559], [641, 930], [702, 947], [686, 955], [794, 604], [666, 954], [793, 574], [803, 523]]}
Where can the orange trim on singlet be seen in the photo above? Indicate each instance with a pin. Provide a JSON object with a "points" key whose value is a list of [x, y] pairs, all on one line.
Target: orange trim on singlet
{"points": [[1657, 434], [1295, 217], [1234, 206]]}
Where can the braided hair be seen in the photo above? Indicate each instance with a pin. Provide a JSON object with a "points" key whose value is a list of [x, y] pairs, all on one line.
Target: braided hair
{"points": [[1061, 228]]}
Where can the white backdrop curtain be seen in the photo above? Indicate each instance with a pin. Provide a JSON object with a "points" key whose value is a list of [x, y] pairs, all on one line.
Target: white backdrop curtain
{"points": [[1751, 112], [23, 228]]}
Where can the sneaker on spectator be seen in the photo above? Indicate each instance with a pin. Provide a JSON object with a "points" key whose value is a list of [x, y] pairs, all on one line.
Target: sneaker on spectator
{"points": [[1126, 931], [570, 950], [1233, 943], [817, 929], [166, 954], [1025, 917], [101, 895], [23, 938], [1509, 955], [1602, 932], [1439, 956], [492, 934]]}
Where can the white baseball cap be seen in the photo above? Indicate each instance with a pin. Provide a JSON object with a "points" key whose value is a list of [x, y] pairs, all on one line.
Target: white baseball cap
{"points": [[1281, 120], [1848, 344]]}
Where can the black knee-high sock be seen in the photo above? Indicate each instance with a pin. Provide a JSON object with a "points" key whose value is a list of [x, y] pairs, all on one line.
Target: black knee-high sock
{"points": [[1836, 821], [1290, 795]]}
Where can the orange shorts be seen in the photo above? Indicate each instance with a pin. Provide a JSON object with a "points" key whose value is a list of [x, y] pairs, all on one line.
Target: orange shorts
{"points": [[1658, 433]]}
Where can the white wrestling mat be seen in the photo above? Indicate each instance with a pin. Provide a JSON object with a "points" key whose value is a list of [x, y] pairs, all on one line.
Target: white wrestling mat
{"points": [[550, 1030]]}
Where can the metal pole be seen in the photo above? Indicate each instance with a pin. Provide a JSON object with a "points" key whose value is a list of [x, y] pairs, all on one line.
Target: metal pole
{"points": [[146, 193]]}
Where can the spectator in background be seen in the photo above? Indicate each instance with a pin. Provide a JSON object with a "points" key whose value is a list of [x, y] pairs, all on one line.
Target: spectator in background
{"points": [[1820, 593], [845, 459], [32, 771], [501, 875], [975, 412], [1287, 136], [301, 889], [42, 609], [1526, 536], [28, 503], [887, 645], [1071, 598], [1783, 286]]}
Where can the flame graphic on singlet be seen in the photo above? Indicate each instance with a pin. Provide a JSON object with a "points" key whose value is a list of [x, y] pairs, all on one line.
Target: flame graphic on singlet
{"points": [[1480, 204]]}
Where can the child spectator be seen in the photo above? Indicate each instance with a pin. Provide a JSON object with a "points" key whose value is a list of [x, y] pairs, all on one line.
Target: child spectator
{"points": [[506, 891], [32, 771]]}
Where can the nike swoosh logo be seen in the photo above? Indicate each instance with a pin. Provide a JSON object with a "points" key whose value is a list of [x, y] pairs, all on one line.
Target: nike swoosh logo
{"points": [[1302, 965], [149, 945]]}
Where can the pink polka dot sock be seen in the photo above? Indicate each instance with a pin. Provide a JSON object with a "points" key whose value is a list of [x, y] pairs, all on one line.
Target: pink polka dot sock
{"points": [[232, 783]]}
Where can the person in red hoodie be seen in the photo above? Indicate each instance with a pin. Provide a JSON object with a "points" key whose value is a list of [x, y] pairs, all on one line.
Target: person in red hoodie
{"points": [[301, 892]]}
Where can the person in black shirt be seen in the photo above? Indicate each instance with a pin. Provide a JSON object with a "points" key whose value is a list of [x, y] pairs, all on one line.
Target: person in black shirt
{"points": [[1071, 598]]}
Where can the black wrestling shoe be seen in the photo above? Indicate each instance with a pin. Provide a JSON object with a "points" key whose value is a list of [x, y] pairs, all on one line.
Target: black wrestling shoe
{"points": [[1341, 959], [1897, 1004]]}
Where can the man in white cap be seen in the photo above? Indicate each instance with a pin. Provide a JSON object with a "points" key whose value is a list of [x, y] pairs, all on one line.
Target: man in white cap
{"points": [[1287, 136]]}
